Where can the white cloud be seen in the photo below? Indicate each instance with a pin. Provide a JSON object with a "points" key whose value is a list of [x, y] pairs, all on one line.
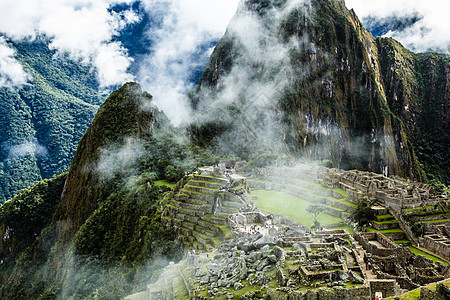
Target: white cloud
{"points": [[82, 28], [187, 25], [429, 33], [11, 71], [119, 159], [24, 149]]}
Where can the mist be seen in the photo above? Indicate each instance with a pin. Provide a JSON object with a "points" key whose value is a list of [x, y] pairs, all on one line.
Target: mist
{"points": [[24, 149], [246, 97], [12, 73], [120, 159]]}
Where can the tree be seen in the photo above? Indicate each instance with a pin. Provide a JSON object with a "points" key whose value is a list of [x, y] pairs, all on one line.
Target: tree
{"points": [[173, 173], [315, 210], [363, 213]]}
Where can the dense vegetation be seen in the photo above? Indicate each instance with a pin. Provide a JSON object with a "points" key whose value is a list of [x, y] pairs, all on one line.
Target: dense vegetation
{"points": [[27, 214], [417, 89], [43, 121], [104, 235], [96, 231], [116, 251]]}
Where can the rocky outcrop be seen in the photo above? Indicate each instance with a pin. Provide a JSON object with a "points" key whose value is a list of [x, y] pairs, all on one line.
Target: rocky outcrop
{"points": [[332, 92]]}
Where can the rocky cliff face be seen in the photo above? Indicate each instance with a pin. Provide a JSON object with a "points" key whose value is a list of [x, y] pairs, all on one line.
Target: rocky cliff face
{"points": [[99, 223], [308, 75]]}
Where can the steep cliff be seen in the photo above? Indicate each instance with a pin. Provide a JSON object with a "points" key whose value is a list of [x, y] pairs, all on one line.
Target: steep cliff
{"points": [[333, 91], [119, 118], [417, 89]]}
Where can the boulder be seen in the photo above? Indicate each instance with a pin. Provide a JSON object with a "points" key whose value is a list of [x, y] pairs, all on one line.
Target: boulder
{"points": [[199, 272], [247, 247], [279, 252], [356, 278], [214, 269], [272, 259], [238, 286], [265, 240], [204, 280]]}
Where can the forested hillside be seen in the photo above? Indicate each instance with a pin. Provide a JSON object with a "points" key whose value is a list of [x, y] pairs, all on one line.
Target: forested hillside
{"points": [[43, 121]]}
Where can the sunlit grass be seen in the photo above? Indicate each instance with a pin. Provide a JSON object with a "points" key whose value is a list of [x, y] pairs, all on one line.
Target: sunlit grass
{"points": [[415, 294], [427, 255], [164, 182], [275, 202]]}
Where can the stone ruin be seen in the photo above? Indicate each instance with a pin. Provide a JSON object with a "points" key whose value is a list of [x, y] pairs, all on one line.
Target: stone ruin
{"points": [[199, 207], [438, 242], [288, 258], [399, 195], [308, 267], [391, 191], [387, 260]]}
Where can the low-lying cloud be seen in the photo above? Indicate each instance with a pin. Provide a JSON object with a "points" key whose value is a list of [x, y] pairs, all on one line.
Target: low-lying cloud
{"points": [[119, 159], [83, 29], [12, 73], [429, 33], [182, 43], [24, 149]]}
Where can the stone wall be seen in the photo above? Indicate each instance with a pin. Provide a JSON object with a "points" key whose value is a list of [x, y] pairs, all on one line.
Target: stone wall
{"points": [[437, 244], [404, 282], [442, 292], [387, 287], [364, 239], [391, 191], [337, 293]]}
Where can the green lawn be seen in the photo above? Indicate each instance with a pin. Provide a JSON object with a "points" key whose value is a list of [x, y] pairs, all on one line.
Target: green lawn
{"points": [[385, 222], [417, 208], [164, 182], [402, 242], [346, 202], [384, 231], [318, 185], [435, 221], [275, 202], [348, 228], [434, 258], [415, 294], [384, 216]]}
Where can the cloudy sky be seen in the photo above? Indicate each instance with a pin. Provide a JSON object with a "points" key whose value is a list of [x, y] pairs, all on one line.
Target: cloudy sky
{"points": [[420, 25], [180, 35]]}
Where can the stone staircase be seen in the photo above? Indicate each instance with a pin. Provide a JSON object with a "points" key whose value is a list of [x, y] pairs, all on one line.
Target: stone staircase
{"points": [[428, 217], [388, 225], [199, 211]]}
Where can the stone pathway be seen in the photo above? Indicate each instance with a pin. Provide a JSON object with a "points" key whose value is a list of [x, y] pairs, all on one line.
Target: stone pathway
{"points": [[360, 251]]}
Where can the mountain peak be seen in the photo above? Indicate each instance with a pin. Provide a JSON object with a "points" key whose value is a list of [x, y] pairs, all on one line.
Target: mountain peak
{"points": [[127, 113]]}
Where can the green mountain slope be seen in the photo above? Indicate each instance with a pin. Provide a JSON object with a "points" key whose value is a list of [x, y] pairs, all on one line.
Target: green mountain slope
{"points": [[98, 231], [43, 121], [334, 92], [311, 81]]}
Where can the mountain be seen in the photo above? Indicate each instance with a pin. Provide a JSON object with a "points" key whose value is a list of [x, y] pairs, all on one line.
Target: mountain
{"points": [[299, 81], [311, 81], [108, 219], [43, 121]]}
